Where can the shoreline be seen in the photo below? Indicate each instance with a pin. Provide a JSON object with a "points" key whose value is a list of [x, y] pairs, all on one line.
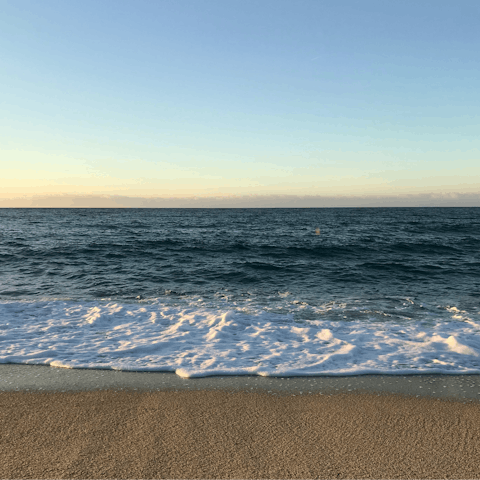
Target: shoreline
{"points": [[43, 378]]}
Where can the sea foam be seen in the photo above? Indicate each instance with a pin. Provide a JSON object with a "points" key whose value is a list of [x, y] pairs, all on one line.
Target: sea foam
{"points": [[195, 339]]}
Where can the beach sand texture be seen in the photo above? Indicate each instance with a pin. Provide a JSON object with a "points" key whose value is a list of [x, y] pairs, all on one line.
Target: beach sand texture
{"points": [[236, 434]]}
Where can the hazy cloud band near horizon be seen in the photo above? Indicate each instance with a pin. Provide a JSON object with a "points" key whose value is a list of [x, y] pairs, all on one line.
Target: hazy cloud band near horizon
{"points": [[253, 201]]}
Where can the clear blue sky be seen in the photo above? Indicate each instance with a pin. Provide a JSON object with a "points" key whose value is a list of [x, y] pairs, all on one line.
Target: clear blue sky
{"points": [[239, 97]]}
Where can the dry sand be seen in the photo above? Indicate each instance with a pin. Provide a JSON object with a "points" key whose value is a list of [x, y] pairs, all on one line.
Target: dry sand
{"points": [[236, 434]]}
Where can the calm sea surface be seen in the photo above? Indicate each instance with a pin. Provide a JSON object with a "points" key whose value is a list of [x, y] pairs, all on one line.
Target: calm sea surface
{"points": [[218, 291]]}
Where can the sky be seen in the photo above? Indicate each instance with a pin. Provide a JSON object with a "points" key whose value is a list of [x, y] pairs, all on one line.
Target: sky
{"points": [[257, 103]]}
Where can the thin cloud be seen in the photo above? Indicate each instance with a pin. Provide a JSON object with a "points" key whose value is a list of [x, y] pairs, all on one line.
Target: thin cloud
{"points": [[245, 201]]}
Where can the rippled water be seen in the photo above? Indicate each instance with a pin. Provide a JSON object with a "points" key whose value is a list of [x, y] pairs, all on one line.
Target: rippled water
{"points": [[265, 270]]}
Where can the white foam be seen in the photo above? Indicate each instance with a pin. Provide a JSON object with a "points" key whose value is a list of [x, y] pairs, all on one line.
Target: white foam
{"points": [[194, 339]]}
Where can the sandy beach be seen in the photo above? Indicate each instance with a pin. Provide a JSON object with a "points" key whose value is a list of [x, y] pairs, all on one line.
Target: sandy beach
{"points": [[228, 430]]}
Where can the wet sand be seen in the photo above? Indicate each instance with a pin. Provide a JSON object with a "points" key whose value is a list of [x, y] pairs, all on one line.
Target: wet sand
{"points": [[236, 427]]}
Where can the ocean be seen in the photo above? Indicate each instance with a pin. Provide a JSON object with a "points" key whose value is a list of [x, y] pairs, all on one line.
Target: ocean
{"points": [[271, 292]]}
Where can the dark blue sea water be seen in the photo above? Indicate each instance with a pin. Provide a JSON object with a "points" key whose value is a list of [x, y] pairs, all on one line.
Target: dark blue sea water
{"points": [[418, 266]]}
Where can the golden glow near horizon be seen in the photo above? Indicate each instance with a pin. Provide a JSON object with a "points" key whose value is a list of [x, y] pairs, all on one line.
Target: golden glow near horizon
{"points": [[31, 173]]}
